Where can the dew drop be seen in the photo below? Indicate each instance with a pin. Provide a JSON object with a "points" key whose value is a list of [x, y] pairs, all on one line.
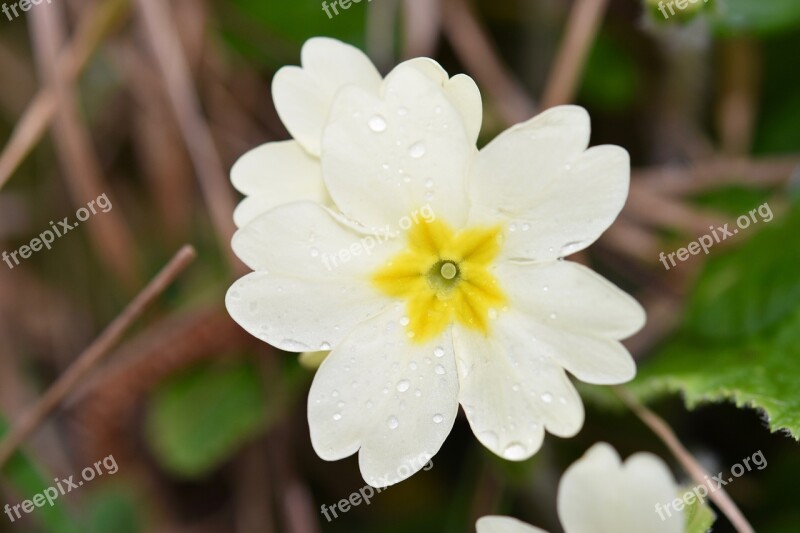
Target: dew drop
{"points": [[412, 365], [404, 321], [429, 183], [428, 196], [488, 438], [567, 167], [439, 370], [402, 111], [493, 313], [438, 351], [403, 385], [437, 418], [417, 150], [545, 288], [314, 252], [417, 393], [515, 387], [553, 316], [335, 394], [512, 227], [392, 422], [324, 346], [547, 397], [514, 451], [377, 124], [526, 227], [337, 416]]}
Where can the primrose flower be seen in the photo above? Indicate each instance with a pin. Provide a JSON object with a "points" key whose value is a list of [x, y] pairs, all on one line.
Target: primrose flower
{"points": [[601, 494], [277, 173], [434, 275]]}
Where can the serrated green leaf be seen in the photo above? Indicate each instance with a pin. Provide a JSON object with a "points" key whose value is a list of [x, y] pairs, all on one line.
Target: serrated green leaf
{"points": [[699, 516], [200, 419], [762, 372]]}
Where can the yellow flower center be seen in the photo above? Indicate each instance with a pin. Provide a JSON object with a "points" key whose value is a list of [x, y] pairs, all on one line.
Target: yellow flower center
{"points": [[444, 276]]}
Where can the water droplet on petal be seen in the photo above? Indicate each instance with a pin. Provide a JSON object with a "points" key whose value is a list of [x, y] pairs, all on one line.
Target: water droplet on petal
{"points": [[439, 370], [438, 351], [392, 422], [428, 196], [515, 387], [493, 313], [526, 227], [412, 365], [402, 111], [417, 393], [488, 438], [404, 321], [337, 416], [437, 418], [514, 451], [325, 346], [429, 183], [547, 397], [553, 316], [512, 227], [377, 124], [335, 393], [417, 150], [403, 386]]}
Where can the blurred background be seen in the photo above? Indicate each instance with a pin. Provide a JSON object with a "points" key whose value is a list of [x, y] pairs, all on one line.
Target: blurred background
{"points": [[151, 101]]}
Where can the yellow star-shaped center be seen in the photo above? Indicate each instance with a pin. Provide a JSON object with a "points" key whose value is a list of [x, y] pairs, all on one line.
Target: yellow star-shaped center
{"points": [[444, 276]]}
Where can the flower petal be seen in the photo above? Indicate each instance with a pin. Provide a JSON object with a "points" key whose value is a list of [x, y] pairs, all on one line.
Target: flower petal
{"points": [[564, 294], [598, 494], [556, 197], [385, 158], [461, 90], [504, 524], [511, 395], [394, 400], [273, 174], [303, 96], [306, 294]]}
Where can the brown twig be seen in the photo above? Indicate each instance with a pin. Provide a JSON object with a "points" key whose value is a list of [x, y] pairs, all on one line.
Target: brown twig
{"points": [[474, 48], [161, 33], [768, 172], [93, 355], [582, 25], [30, 128], [660, 427], [423, 25], [112, 239]]}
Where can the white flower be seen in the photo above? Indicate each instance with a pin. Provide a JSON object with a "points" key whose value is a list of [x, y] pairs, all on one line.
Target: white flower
{"points": [[277, 173], [473, 307], [600, 494]]}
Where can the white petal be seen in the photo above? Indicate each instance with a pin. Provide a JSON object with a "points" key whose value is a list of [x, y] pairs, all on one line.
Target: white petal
{"points": [[564, 294], [504, 524], [304, 296], [510, 393], [465, 95], [598, 494], [386, 157], [461, 90], [303, 96], [274, 174], [394, 400], [555, 198]]}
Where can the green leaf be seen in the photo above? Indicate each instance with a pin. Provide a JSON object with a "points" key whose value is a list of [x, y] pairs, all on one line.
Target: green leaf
{"points": [[28, 480], [741, 339], [200, 419], [743, 292], [762, 372], [699, 516]]}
